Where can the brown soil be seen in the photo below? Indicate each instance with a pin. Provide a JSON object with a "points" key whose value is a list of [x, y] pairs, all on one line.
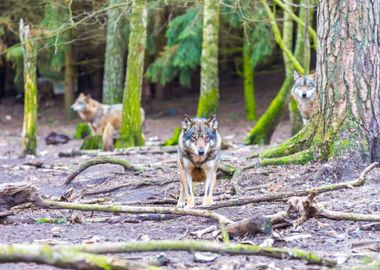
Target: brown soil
{"points": [[325, 237]]}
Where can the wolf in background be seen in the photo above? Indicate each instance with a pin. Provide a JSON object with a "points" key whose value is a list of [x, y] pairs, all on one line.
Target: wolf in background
{"points": [[305, 94], [101, 117], [198, 158]]}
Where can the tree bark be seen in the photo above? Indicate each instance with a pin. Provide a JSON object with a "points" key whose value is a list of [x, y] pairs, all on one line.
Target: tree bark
{"points": [[116, 41], [29, 130], [69, 57], [209, 93], [130, 132], [348, 68]]}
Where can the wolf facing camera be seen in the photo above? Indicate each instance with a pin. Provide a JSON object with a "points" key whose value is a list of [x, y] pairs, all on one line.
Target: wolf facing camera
{"points": [[305, 94], [198, 158]]}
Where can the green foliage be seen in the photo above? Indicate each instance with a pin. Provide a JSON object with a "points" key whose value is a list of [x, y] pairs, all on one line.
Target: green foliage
{"points": [[92, 142], [15, 56], [182, 52], [258, 33], [55, 15], [60, 220], [82, 130]]}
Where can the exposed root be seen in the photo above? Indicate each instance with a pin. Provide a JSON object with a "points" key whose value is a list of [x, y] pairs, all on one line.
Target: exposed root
{"points": [[297, 143], [302, 157], [204, 246], [101, 160], [360, 181]]}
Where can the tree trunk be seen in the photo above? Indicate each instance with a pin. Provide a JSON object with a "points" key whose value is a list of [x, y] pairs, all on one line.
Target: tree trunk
{"points": [[113, 78], [249, 87], [262, 132], [348, 67], [209, 94], [29, 130], [130, 132], [69, 56]]}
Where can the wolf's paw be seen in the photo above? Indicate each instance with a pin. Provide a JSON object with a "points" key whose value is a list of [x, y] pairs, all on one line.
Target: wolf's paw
{"points": [[181, 204], [207, 201]]}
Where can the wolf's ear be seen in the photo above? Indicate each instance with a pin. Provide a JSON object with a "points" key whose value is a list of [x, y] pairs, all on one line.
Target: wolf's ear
{"points": [[296, 75], [313, 76], [212, 122], [187, 122]]}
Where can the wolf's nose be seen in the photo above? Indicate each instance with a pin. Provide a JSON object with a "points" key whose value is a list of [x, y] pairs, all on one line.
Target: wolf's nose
{"points": [[303, 95], [201, 152]]}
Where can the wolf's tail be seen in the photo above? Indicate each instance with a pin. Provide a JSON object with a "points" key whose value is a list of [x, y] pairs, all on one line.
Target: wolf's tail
{"points": [[107, 137]]}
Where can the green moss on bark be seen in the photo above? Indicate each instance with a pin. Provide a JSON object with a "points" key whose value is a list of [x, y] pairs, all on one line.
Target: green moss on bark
{"points": [[29, 130], [174, 139], [209, 93], [131, 132], [249, 87], [82, 130], [93, 142]]}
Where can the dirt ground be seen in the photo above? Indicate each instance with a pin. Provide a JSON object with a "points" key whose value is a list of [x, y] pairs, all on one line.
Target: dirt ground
{"points": [[334, 239]]}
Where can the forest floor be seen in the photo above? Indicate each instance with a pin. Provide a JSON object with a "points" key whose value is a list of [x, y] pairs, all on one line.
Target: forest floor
{"points": [[340, 240]]}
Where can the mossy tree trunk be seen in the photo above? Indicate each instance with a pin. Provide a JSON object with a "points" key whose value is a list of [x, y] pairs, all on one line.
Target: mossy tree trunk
{"points": [[130, 132], [116, 46], [262, 131], [249, 86], [348, 68], [69, 57], [209, 93], [29, 129]]}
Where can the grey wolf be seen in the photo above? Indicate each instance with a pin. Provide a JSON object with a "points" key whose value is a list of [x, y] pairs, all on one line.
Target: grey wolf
{"points": [[305, 94], [198, 158], [99, 115]]}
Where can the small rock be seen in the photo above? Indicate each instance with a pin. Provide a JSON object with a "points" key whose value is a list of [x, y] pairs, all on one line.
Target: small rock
{"points": [[204, 257]]}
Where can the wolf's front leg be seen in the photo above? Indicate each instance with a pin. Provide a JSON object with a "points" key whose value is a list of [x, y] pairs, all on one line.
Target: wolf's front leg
{"points": [[209, 187], [190, 194], [182, 196]]}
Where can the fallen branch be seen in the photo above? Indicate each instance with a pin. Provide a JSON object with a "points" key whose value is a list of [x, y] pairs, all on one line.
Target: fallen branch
{"points": [[101, 160], [62, 257], [360, 181], [306, 208], [14, 194], [121, 152], [204, 246]]}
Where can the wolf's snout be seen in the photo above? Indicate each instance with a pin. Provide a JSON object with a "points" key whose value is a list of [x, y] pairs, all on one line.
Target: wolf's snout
{"points": [[304, 95], [201, 152]]}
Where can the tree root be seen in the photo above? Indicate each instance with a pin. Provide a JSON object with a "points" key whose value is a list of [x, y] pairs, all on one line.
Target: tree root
{"points": [[360, 181], [101, 160], [63, 257], [204, 246], [302, 157]]}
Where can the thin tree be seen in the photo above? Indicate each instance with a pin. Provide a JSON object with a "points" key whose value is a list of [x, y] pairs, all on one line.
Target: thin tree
{"points": [[130, 132], [209, 93], [116, 47], [348, 68], [29, 129], [69, 75], [249, 86]]}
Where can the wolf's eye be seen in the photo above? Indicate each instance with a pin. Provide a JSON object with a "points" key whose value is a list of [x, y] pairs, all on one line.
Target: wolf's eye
{"points": [[206, 138], [193, 138]]}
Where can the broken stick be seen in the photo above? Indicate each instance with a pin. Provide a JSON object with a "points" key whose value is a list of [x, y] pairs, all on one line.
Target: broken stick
{"points": [[101, 160]]}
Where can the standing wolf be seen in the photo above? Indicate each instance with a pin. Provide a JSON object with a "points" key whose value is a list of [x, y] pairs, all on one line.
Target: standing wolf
{"points": [[305, 94], [198, 158], [104, 119]]}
